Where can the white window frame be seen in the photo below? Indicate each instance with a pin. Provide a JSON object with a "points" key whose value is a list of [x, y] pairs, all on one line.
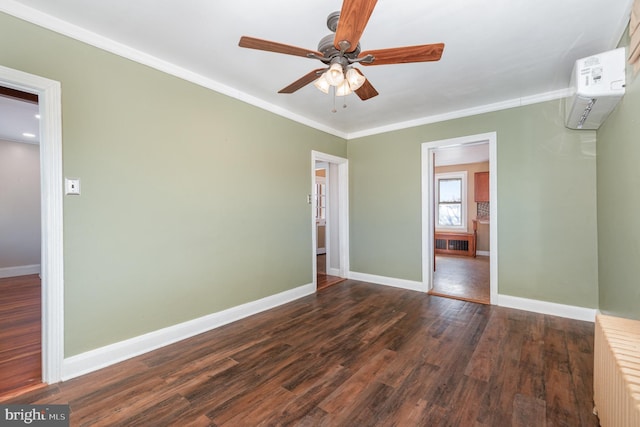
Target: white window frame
{"points": [[462, 175]]}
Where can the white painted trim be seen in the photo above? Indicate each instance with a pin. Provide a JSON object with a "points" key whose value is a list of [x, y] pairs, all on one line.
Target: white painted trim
{"points": [[493, 214], [343, 213], [474, 111], [411, 285], [21, 270], [44, 20], [535, 306], [428, 199], [333, 271], [483, 253], [52, 271], [545, 307], [108, 355]]}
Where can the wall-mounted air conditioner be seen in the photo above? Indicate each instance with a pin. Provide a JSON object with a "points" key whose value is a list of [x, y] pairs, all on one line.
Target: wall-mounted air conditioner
{"points": [[597, 85]]}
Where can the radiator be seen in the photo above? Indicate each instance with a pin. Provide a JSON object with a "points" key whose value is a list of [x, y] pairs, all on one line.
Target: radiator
{"points": [[616, 373], [455, 243]]}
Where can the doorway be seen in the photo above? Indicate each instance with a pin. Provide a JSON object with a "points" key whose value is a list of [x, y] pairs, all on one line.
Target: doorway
{"points": [[330, 236], [52, 262], [20, 246], [459, 236]]}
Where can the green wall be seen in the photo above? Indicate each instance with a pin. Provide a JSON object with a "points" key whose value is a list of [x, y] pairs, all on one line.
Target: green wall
{"points": [[618, 204], [547, 239], [192, 202]]}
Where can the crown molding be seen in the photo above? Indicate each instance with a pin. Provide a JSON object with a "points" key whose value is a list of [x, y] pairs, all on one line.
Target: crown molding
{"points": [[474, 111]]}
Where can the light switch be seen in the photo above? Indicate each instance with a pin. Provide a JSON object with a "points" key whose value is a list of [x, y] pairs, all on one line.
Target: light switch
{"points": [[72, 186]]}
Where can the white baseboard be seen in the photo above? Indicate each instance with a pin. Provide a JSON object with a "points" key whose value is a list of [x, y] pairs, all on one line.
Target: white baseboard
{"points": [[483, 253], [545, 307], [333, 271], [21, 270], [113, 353], [536, 306], [388, 281]]}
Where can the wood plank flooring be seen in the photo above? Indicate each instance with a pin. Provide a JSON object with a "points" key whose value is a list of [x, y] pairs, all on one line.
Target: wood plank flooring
{"points": [[20, 333], [355, 354], [325, 280], [462, 277]]}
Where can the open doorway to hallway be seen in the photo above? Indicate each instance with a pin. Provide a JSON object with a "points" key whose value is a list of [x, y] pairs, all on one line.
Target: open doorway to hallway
{"points": [[20, 245], [330, 219], [460, 218], [324, 209], [52, 257]]}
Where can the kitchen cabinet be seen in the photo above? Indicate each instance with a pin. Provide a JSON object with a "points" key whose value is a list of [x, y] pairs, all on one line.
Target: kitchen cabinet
{"points": [[481, 185]]}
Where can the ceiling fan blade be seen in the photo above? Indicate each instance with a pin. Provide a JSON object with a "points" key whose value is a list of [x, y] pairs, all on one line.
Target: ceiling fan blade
{"points": [[302, 82], [259, 44], [354, 16], [367, 90], [400, 55]]}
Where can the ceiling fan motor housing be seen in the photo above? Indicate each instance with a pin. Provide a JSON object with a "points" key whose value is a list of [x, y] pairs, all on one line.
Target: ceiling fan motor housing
{"points": [[329, 51], [332, 21]]}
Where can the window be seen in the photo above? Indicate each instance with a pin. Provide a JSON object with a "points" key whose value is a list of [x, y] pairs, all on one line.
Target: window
{"points": [[451, 199]]}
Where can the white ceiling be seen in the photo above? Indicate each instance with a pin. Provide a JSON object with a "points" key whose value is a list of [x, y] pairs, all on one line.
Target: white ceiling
{"points": [[462, 154], [498, 53], [16, 118]]}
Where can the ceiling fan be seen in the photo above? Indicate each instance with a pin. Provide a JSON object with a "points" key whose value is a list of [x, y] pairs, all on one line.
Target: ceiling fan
{"points": [[340, 51]]}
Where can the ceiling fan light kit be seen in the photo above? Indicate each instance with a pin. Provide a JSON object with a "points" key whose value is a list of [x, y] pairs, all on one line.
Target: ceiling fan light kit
{"points": [[344, 89], [355, 79], [322, 84], [334, 75], [341, 50]]}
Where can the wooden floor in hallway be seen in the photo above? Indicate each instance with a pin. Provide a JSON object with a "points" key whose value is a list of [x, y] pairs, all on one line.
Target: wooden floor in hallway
{"points": [[354, 354], [325, 280], [20, 334]]}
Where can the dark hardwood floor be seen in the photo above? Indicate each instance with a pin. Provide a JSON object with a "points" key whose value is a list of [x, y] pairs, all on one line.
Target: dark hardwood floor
{"points": [[355, 354], [20, 334]]}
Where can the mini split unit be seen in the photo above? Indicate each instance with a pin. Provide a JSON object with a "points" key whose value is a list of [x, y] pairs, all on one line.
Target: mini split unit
{"points": [[597, 85]]}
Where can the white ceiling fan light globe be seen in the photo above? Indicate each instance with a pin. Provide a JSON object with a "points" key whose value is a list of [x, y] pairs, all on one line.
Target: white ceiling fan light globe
{"points": [[355, 79], [344, 89], [335, 75], [322, 84]]}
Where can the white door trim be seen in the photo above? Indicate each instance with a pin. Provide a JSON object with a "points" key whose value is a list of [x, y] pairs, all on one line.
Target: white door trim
{"points": [[343, 212], [428, 206], [52, 273]]}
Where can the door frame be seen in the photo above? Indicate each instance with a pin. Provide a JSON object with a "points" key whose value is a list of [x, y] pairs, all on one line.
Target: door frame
{"points": [[428, 204], [342, 219], [52, 262]]}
